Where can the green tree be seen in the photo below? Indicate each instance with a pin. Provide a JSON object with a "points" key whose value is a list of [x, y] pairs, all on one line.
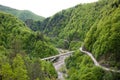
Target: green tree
{"points": [[6, 71], [19, 68]]}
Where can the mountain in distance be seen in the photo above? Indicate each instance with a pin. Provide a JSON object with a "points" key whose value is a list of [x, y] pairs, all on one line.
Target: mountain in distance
{"points": [[95, 26], [21, 14], [14, 32]]}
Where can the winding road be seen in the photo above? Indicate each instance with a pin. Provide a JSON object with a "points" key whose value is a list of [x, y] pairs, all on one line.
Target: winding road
{"points": [[62, 56], [96, 62]]}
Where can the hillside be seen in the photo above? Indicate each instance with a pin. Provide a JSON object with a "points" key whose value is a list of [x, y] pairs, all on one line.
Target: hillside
{"points": [[13, 29], [102, 40], [104, 36], [21, 50], [94, 26], [69, 27], [21, 14]]}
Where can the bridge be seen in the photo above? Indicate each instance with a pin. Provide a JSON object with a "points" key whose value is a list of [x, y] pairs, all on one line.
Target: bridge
{"points": [[52, 58]]}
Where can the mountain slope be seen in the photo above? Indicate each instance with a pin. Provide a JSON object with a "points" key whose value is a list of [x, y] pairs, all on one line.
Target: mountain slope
{"points": [[21, 50], [16, 36], [103, 41], [21, 14], [70, 26], [104, 36]]}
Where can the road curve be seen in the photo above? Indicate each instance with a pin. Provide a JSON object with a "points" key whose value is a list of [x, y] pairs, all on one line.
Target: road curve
{"points": [[96, 62]]}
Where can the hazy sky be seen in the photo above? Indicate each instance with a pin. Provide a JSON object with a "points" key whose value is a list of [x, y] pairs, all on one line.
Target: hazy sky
{"points": [[43, 7]]}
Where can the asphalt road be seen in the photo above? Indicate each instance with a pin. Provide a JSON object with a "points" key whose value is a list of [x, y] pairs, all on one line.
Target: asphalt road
{"points": [[96, 62]]}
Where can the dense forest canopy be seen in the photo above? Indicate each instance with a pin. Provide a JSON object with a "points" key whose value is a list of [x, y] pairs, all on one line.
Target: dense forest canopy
{"points": [[102, 39], [21, 50], [96, 26], [70, 26], [104, 36]]}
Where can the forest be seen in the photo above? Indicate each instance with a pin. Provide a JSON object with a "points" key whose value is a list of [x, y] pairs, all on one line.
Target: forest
{"points": [[21, 51], [102, 40], [94, 26]]}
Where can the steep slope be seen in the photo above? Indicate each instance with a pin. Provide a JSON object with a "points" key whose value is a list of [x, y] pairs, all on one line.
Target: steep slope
{"points": [[16, 36], [21, 14], [21, 50], [70, 26], [104, 36], [81, 67], [103, 41]]}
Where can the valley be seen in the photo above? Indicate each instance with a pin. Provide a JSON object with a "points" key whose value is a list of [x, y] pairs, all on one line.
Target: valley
{"points": [[78, 43]]}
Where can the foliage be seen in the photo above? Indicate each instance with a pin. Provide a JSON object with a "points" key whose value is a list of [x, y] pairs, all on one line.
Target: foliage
{"points": [[17, 38], [81, 67], [34, 25], [32, 20], [103, 41], [21, 50], [21, 14], [19, 69], [104, 36], [71, 25]]}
